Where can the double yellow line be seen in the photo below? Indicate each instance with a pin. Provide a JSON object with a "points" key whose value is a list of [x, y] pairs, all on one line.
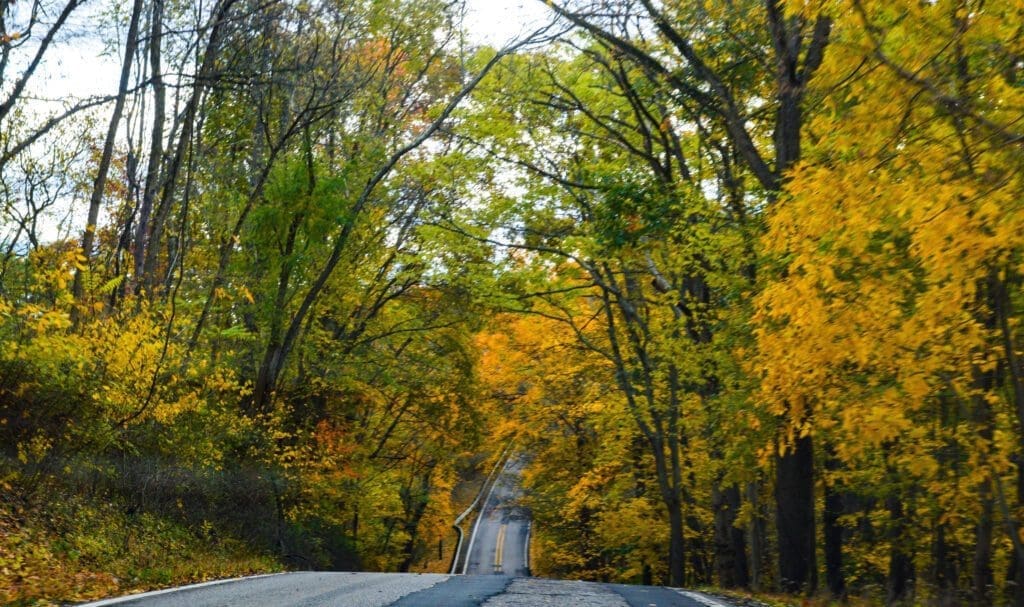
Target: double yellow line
{"points": [[499, 547]]}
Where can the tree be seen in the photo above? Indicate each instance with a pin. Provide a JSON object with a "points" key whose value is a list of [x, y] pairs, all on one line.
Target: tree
{"points": [[783, 58], [889, 305], [107, 152], [645, 238]]}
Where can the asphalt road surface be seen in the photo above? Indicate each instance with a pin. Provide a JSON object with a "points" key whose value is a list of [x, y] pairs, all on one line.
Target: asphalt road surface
{"points": [[499, 541], [410, 590], [498, 568]]}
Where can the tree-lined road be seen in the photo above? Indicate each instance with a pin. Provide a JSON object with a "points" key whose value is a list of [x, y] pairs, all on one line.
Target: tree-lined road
{"points": [[497, 567], [499, 543]]}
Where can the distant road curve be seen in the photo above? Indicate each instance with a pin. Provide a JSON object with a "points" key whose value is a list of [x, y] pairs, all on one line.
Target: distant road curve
{"points": [[313, 589], [499, 542]]}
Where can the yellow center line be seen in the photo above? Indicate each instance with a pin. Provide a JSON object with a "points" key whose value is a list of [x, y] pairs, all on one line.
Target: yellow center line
{"points": [[499, 547]]}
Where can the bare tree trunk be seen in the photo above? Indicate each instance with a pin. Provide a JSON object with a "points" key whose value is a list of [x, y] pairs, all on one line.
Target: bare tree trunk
{"points": [[99, 185], [218, 23], [415, 501], [156, 143], [943, 574], [983, 578], [677, 542], [1015, 574]]}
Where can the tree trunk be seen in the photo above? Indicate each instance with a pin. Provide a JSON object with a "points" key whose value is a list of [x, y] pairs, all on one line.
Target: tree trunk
{"points": [[943, 574], [794, 517], [794, 487], [758, 534], [982, 415], [218, 22], [100, 184], [677, 546], [156, 142], [670, 482], [1003, 310], [833, 532], [900, 582], [1015, 574], [983, 578], [738, 539], [266, 377], [415, 502], [730, 544]]}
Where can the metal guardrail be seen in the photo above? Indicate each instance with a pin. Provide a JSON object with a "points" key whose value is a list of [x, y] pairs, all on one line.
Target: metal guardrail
{"points": [[500, 464], [479, 517]]}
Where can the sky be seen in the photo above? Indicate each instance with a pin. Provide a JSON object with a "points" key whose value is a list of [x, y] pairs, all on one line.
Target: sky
{"points": [[80, 68], [496, 22], [83, 70]]}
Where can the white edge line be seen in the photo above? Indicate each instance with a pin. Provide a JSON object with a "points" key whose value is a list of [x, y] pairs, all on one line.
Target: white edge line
{"points": [[526, 546], [151, 593], [458, 520], [483, 507], [702, 598]]}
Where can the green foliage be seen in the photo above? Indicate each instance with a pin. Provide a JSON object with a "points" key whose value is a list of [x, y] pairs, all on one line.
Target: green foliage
{"points": [[629, 252], [288, 380]]}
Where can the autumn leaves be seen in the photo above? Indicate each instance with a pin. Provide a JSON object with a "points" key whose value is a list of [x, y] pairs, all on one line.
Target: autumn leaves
{"points": [[745, 276], [805, 291]]}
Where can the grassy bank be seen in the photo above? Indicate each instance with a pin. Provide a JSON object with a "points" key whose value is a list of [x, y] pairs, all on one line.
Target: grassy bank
{"points": [[77, 550]]}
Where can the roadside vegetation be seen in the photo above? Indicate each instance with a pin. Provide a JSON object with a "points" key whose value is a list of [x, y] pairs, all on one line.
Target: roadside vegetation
{"points": [[744, 279], [76, 549]]}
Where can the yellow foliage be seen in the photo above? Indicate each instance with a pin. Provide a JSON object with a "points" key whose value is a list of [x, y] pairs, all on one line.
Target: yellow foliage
{"points": [[895, 231]]}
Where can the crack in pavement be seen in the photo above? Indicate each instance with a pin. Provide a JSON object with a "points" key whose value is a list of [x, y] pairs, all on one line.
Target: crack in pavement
{"points": [[536, 592]]}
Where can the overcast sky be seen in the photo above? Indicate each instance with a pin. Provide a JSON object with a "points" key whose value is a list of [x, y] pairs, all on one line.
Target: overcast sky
{"points": [[495, 22], [80, 68]]}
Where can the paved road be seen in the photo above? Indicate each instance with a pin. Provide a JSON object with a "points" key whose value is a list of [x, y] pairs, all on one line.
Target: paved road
{"points": [[498, 564], [409, 590], [499, 541]]}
